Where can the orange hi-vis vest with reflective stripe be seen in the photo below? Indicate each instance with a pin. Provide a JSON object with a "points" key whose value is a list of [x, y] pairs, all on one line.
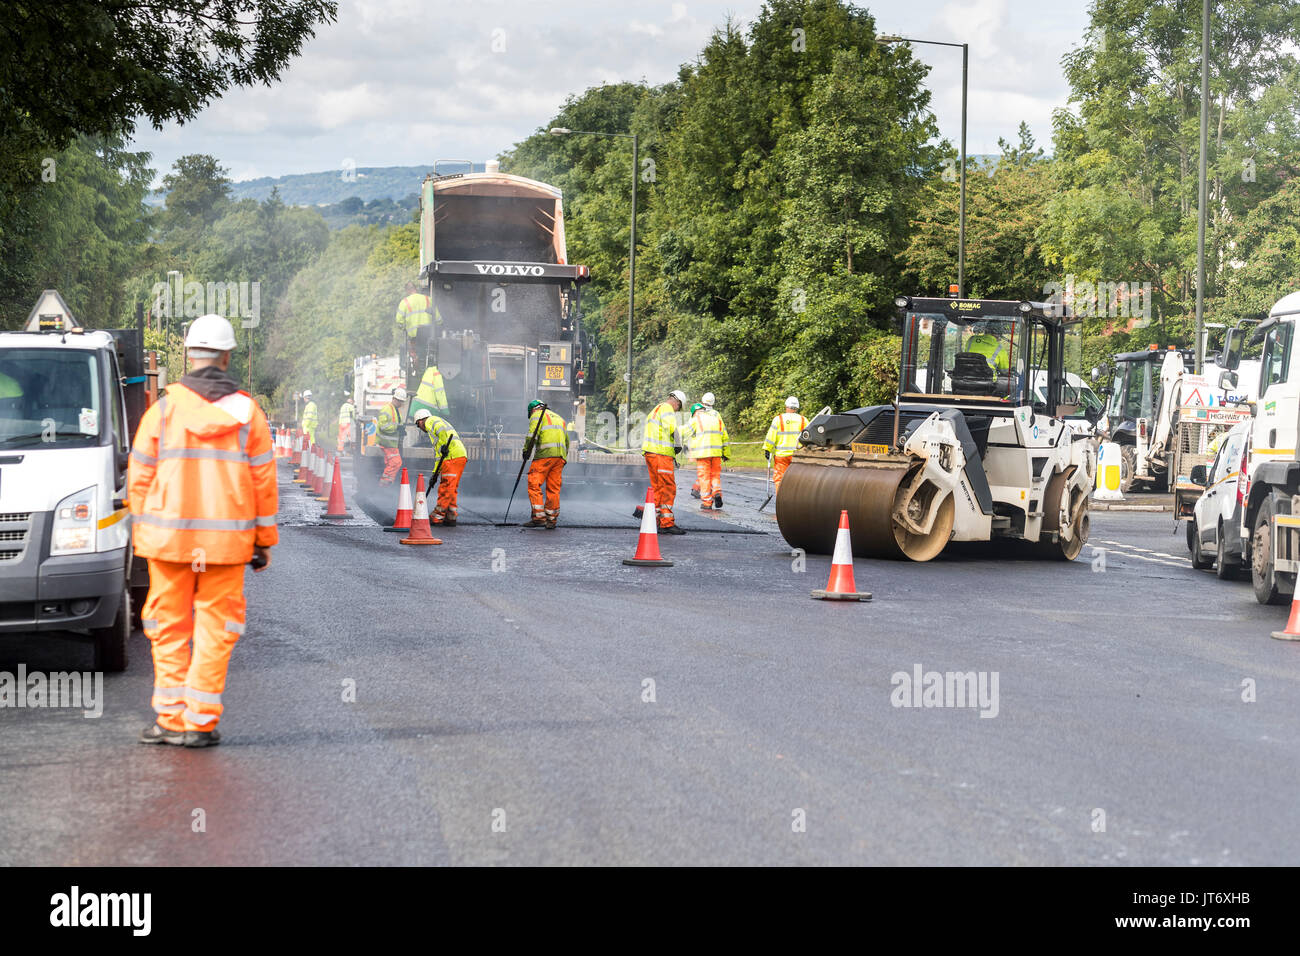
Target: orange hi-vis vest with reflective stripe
{"points": [[202, 483]]}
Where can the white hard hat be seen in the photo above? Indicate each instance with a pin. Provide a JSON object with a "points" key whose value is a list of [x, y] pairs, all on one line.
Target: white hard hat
{"points": [[422, 414], [307, 393], [679, 395], [707, 399], [399, 393], [792, 402], [211, 333]]}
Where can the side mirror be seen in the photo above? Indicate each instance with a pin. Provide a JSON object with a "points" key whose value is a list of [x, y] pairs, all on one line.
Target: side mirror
{"points": [[121, 459], [1254, 408], [1227, 380], [1093, 415], [1198, 476], [1230, 356]]}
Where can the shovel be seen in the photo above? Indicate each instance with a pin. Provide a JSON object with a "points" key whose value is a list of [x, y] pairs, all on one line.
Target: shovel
{"points": [[770, 492]]}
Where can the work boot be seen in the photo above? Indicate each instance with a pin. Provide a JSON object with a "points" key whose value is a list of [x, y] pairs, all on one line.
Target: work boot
{"points": [[717, 501], [550, 525], [202, 738], [450, 522], [695, 492], [155, 733], [534, 523], [638, 511], [672, 529], [705, 506]]}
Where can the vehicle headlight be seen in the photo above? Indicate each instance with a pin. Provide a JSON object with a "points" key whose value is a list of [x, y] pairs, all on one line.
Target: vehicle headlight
{"points": [[74, 523]]}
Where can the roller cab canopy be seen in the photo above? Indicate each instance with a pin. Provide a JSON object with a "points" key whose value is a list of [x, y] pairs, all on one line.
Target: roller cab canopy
{"points": [[992, 354]]}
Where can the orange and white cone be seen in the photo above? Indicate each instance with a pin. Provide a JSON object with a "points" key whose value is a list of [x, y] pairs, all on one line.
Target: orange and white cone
{"points": [[421, 533], [647, 545], [319, 484], [304, 467], [1292, 631], [295, 457], [337, 508], [402, 522], [840, 586]]}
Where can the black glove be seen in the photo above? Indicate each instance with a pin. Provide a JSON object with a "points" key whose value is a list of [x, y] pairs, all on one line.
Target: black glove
{"points": [[768, 456], [525, 454], [726, 458], [677, 449]]}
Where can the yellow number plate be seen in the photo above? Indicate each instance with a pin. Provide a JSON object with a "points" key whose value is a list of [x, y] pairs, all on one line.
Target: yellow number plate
{"points": [[554, 372], [863, 448]]}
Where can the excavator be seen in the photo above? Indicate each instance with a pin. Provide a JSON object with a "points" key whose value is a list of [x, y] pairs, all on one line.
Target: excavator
{"points": [[969, 451]]}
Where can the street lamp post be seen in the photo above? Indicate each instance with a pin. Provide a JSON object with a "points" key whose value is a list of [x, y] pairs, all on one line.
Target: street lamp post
{"points": [[631, 257], [1201, 190], [961, 201], [171, 311]]}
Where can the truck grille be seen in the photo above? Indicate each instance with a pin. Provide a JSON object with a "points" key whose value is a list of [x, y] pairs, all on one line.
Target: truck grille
{"points": [[15, 526]]}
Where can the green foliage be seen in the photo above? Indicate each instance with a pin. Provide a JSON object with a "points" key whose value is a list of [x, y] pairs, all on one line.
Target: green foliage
{"points": [[81, 233]]}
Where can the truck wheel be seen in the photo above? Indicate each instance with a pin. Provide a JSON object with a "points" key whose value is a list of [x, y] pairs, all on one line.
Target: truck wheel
{"points": [[1225, 568], [1199, 561], [1128, 459], [111, 641], [1262, 577]]}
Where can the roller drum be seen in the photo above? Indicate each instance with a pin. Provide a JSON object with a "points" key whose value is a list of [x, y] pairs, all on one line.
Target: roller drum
{"points": [[811, 497]]}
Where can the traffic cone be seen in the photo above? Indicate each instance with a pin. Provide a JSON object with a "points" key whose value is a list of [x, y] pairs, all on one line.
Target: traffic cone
{"points": [[402, 522], [840, 586], [322, 463], [337, 508], [421, 533], [647, 545], [1292, 632], [304, 466], [295, 449]]}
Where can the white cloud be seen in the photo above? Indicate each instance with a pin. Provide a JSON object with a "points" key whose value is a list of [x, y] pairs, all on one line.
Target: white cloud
{"points": [[404, 82]]}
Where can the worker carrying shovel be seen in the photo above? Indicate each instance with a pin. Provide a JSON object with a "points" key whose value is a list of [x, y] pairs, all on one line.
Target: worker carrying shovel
{"points": [[450, 464], [548, 442]]}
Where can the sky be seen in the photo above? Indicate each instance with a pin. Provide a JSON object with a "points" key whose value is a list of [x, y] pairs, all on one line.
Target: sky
{"points": [[406, 82]]}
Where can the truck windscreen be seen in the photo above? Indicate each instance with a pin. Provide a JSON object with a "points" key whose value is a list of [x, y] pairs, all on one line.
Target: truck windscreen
{"points": [[49, 397]]}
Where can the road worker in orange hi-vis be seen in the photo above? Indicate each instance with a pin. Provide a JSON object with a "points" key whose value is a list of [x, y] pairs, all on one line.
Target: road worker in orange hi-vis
{"points": [[660, 446], [708, 445], [548, 445], [782, 439], [202, 493]]}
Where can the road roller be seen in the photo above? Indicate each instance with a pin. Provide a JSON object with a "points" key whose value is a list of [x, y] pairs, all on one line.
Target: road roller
{"points": [[972, 449]]}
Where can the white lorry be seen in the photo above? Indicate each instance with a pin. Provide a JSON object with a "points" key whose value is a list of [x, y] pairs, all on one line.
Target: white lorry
{"points": [[65, 532], [1270, 518]]}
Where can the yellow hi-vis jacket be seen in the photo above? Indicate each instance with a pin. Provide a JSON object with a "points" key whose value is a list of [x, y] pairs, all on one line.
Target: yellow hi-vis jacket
{"points": [[783, 434], [432, 393], [413, 312], [439, 430], [387, 423], [706, 435], [347, 413], [660, 431], [992, 348], [552, 437], [310, 419]]}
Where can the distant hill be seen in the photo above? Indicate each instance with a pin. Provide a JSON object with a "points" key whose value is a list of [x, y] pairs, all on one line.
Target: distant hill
{"points": [[367, 183]]}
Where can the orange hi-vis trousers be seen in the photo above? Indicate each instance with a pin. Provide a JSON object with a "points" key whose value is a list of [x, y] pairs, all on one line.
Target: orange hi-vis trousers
{"points": [[663, 485], [545, 475], [779, 465], [449, 486], [709, 473], [187, 605], [392, 465]]}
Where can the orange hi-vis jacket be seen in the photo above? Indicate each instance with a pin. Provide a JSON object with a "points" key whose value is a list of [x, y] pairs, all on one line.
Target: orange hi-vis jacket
{"points": [[202, 480]]}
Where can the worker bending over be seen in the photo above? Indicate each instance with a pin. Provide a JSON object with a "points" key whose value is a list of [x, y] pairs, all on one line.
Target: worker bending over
{"points": [[388, 425], [782, 439], [451, 457], [548, 440], [202, 494], [660, 446], [709, 445]]}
